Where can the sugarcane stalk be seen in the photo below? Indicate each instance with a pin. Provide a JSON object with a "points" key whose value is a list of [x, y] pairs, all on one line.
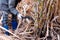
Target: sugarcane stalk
{"points": [[9, 32]]}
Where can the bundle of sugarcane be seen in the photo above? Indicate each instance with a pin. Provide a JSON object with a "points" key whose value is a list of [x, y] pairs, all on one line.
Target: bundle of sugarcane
{"points": [[44, 13]]}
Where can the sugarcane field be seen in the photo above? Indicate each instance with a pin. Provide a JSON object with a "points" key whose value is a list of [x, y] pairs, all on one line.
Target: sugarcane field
{"points": [[29, 19]]}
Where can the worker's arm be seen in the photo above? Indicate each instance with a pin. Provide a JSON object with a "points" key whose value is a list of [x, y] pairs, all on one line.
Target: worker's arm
{"points": [[11, 4], [12, 8]]}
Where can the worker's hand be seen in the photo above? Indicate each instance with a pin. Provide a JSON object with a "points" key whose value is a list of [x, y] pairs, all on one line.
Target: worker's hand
{"points": [[19, 16]]}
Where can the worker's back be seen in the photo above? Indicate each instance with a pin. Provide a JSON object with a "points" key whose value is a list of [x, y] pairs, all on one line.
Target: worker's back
{"points": [[4, 5]]}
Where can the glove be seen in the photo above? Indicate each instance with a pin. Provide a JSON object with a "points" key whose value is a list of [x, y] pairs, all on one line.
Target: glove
{"points": [[19, 16]]}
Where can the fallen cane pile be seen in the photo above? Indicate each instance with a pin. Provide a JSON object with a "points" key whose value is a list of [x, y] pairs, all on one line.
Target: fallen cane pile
{"points": [[45, 26]]}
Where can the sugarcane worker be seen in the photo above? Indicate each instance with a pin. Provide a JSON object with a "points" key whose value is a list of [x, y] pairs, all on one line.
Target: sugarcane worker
{"points": [[8, 6]]}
